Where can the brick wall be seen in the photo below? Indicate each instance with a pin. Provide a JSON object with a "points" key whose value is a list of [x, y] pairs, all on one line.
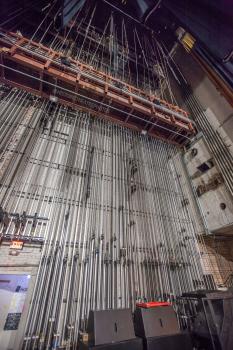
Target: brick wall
{"points": [[217, 258]]}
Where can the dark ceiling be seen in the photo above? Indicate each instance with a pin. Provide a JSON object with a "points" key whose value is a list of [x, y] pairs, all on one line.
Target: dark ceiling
{"points": [[210, 22]]}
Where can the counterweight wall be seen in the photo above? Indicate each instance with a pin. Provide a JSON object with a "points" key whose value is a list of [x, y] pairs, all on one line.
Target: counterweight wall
{"points": [[111, 205]]}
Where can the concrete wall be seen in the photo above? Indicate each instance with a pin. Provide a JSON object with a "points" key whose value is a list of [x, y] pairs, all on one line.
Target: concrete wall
{"points": [[217, 247], [209, 97], [220, 115], [217, 219]]}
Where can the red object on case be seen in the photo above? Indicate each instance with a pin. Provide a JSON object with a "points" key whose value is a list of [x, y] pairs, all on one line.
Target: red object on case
{"points": [[153, 304]]}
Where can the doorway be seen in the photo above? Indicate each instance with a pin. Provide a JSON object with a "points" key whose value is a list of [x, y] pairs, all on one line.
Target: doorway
{"points": [[13, 291]]}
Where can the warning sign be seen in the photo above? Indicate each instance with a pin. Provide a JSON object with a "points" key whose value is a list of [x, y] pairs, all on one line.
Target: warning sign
{"points": [[18, 245]]}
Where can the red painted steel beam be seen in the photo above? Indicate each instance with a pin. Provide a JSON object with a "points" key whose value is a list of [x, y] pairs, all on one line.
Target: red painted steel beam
{"points": [[77, 106], [92, 83], [85, 68]]}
